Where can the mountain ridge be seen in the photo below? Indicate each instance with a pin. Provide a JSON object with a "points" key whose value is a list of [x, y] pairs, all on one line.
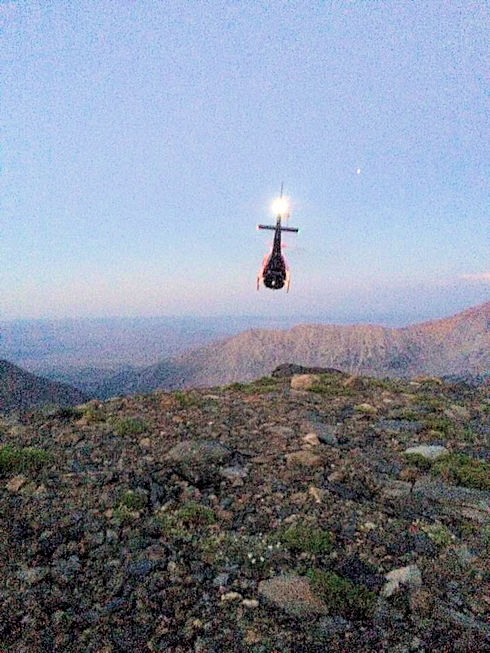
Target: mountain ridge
{"points": [[21, 391], [458, 344]]}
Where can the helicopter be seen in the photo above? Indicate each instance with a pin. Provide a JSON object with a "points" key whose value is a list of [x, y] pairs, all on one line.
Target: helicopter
{"points": [[274, 272]]}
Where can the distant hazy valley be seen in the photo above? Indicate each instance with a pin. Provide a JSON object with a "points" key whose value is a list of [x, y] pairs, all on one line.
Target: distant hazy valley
{"points": [[104, 358]]}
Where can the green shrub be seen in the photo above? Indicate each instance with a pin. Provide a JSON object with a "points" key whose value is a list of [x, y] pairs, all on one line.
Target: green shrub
{"points": [[407, 414], [194, 514], [460, 469], [306, 539], [418, 461], [22, 459], [129, 426], [123, 515], [340, 595]]}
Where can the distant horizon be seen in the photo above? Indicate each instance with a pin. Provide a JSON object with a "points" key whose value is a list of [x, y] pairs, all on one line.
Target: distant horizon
{"points": [[315, 317]]}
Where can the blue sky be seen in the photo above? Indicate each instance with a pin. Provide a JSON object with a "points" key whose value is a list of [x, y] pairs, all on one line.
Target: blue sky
{"points": [[143, 142]]}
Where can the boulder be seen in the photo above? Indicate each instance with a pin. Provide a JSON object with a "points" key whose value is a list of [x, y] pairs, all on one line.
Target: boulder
{"points": [[198, 461], [304, 458]]}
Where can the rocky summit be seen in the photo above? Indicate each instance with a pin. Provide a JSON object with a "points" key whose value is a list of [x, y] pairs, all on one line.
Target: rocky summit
{"points": [[322, 513]]}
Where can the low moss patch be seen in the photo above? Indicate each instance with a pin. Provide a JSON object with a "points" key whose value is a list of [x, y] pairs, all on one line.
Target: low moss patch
{"points": [[195, 514], [22, 459], [186, 520], [305, 539], [260, 386], [460, 469], [133, 499], [340, 595], [331, 385], [439, 423], [129, 426], [186, 399], [438, 533]]}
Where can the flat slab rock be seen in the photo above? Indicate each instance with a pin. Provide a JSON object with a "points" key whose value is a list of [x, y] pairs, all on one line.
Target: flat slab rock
{"points": [[428, 451], [398, 426], [451, 499], [293, 595]]}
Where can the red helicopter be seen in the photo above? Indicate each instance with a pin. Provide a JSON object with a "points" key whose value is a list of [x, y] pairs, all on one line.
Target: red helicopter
{"points": [[274, 272]]}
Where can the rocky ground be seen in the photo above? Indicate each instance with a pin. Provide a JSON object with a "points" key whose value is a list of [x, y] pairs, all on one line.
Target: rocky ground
{"points": [[312, 513]]}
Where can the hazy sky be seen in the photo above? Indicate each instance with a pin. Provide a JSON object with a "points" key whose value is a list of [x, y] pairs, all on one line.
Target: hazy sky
{"points": [[143, 141]]}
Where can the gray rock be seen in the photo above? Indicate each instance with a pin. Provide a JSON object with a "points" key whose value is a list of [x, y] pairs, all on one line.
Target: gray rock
{"points": [[233, 473], [333, 626], [454, 500], [33, 575], [328, 438], [221, 580], [141, 568], [398, 426], [199, 461], [462, 620]]}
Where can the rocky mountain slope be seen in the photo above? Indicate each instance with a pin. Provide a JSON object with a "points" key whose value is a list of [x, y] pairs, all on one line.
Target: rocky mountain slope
{"points": [[312, 513], [455, 345], [22, 391]]}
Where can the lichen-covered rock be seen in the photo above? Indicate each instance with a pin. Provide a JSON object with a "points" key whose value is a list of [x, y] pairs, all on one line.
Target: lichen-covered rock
{"points": [[293, 595], [15, 484], [407, 576]]}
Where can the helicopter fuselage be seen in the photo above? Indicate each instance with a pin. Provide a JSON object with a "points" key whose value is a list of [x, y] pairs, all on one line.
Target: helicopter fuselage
{"points": [[274, 272]]}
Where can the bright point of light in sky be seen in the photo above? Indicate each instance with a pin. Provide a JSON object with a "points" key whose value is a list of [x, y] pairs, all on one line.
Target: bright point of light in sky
{"points": [[280, 206]]}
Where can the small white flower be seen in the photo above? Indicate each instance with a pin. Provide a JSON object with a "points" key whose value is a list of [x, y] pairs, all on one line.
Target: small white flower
{"points": [[249, 555], [262, 559], [252, 561], [270, 547]]}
